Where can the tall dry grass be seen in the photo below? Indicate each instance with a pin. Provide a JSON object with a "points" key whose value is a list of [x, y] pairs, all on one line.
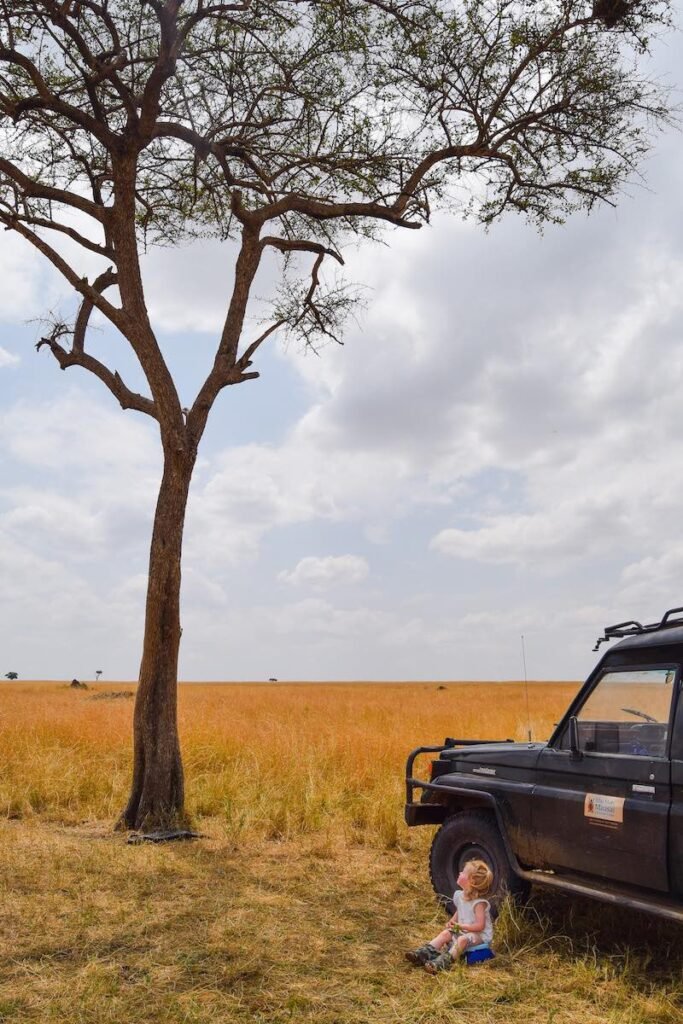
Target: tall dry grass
{"points": [[277, 760]]}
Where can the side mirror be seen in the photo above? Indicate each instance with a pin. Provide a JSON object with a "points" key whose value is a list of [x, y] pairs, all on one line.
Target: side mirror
{"points": [[574, 747]]}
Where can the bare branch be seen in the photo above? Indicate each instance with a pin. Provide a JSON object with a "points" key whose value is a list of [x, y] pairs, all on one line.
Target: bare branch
{"points": [[164, 67], [40, 190], [245, 360], [52, 225], [104, 281], [77, 356], [317, 210], [225, 370], [80, 284], [300, 245], [126, 398], [205, 146]]}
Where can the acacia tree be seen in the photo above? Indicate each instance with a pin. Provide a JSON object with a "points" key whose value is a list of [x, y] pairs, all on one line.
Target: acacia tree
{"points": [[289, 126]]}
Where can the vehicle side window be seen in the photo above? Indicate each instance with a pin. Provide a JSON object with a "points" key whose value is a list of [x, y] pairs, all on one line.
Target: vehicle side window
{"points": [[627, 713]]}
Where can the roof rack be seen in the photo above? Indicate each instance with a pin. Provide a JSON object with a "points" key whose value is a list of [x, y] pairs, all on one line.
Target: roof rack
{"points": [[633, 628]]}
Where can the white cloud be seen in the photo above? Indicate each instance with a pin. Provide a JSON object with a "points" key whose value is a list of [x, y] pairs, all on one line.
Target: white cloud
{"points": [[75, 432], [8, 358], [330, 571], [252, 489], [21, 271], [55, 518], [570, 530], [89, 476], [189, 289], [56, 622], [653, 584], [201, 592], [315, 616]]}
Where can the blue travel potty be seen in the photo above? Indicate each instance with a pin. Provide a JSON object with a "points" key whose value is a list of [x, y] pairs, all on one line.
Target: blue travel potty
{"points": [[478, 954]]}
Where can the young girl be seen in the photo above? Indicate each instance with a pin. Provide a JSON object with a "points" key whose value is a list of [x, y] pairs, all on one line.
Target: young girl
{"points": [[470, 925]]}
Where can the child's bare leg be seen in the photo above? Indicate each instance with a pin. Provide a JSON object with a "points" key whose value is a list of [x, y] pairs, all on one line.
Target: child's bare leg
{"points": [[460, 945], [442, 939]]}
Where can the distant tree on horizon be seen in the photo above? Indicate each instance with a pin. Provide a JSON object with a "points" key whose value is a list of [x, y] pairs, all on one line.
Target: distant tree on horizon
{"points": [[11, 675], [291, 128]]}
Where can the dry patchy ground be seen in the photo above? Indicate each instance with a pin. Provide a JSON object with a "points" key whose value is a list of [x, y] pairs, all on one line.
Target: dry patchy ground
{"points": [[93, 930]]}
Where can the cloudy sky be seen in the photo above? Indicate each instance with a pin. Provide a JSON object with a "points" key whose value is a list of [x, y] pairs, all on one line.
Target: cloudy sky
{"points": [[497, 450]]}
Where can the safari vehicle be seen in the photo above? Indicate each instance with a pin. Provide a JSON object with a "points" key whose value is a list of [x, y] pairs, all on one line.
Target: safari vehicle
{"points": [[595, 811]]}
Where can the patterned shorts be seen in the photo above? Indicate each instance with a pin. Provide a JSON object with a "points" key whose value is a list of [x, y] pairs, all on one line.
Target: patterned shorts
{"points": [[472, 938]]}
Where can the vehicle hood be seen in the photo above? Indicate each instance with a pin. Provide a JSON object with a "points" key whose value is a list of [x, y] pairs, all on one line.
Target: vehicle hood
{"points": [[492, 756]]}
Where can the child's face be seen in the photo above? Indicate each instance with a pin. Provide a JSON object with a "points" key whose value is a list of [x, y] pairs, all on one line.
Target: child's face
{"points": [[464, 879]]}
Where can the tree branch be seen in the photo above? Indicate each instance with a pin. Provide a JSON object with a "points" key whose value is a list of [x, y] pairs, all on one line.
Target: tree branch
{"points": [[52, 225], [244, 362], [80, 284], [164, 66], [300, 245], [47, 99], [105, 280], [225, 370], [204, 13], [204, 146], [77, 356], [36, 190], [318, 210], [126, 398]]}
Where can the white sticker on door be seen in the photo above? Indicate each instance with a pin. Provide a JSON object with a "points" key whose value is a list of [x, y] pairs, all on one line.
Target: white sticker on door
{"points": [[604, 808]]}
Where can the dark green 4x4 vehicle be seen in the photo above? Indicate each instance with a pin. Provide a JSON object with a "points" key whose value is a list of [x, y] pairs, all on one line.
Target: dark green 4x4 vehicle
{"points": [[598, 809]]}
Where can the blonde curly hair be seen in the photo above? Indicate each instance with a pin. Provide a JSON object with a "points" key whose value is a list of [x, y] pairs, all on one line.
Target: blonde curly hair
{"points": [[480, 876]]}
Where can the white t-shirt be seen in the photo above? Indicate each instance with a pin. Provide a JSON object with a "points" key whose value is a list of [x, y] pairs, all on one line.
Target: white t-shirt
{"points": [[465, 909]]}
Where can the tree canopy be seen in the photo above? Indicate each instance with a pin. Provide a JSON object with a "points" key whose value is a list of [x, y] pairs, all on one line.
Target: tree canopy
{"points": [[310, 121]]}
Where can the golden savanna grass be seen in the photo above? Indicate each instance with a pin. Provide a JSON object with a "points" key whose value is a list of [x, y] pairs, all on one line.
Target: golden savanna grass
{"points": [[299, 902], [268, 760]]}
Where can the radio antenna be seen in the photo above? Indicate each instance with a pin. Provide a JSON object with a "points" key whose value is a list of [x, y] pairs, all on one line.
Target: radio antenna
{"points": [[526, 691]]}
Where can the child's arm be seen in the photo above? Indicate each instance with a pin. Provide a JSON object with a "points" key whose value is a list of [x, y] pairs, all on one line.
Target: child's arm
{"points": [[479, 919]]}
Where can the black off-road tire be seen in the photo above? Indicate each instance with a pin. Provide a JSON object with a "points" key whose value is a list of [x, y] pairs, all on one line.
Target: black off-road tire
{"points": [[466, 836]]}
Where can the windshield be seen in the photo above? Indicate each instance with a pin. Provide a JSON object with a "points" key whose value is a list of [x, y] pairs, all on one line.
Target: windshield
{"points": [[628, 712]]}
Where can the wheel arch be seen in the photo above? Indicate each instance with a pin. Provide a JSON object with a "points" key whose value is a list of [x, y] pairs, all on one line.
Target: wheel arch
{"points": [[468, 800]]}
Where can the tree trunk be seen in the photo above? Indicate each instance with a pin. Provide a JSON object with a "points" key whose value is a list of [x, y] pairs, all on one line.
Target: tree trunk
{"points": [[157, 792]]}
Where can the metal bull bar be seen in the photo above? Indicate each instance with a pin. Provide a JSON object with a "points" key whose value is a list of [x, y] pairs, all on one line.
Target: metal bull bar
{"points": [[447, 744]]}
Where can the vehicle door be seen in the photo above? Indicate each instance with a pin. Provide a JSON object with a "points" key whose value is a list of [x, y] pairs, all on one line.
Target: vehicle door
{"points": [[603, 810]]}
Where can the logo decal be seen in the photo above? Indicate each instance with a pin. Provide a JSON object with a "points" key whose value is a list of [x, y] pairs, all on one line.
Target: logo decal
{"points": [[604, 808]]}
